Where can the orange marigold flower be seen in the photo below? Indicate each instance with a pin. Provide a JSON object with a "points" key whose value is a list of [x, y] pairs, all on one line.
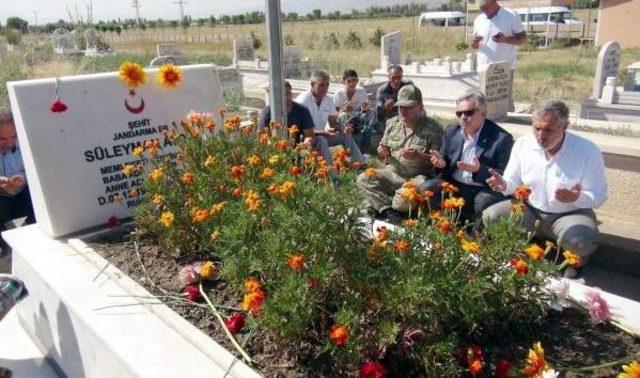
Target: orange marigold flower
{"points": [[632, 370], [117, 197], [132, 74], [296, 262], [410, 223], [435, 215], [283, 145], [522, 193], [156, 175], [572, 258], [200, 215], [444, 226], [169, 76], [253, 300], [535, 364], [254, 160], [252, 284], [401, 246], [535, 252], [476, 366], [236, 192], [371, 172], [283, 191], [252, 200], [209, 161], [166, 219], [453, 203], [339, 334], [187, 178], [448, 187], [470, 246], [264, 137], [237, 171], [267, 173], [293, 130], [520, 265], [217, 208], [295, 171]]}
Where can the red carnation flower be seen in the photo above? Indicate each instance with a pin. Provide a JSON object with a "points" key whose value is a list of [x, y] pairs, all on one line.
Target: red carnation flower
{"points": [[502, 369], [192, 292], [372, 369], [236, 322], [58, 106]]}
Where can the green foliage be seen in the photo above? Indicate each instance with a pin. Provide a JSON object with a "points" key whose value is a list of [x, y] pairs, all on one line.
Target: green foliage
{"points": [[462, 45], [288, 40], [438, 287], [352, 41], [257, 42], [12, 36], [18, 24], [375, 38], [331, 41]]}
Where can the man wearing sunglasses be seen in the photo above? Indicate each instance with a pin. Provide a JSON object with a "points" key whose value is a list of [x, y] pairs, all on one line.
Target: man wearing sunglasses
{"points": [[469, 150]]}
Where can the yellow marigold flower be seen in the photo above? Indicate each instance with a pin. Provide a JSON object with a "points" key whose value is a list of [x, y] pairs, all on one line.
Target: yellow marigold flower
{"points": [[267, 173], [254, 160], [207, 270], [215, 235], [535, 252], [630, 371], [209, 161], [517, 208], [470, 246], [371, 172], [286, 189], [453, 203], [138, 151], [132, 74], [200, 215], [128, 169], [217, 208], [169, 76], [158, 199], [156, 175], [410, 223], [535, 364], [274, 159], [252, 200], [187, 178], [166, 219], [572, 258]]}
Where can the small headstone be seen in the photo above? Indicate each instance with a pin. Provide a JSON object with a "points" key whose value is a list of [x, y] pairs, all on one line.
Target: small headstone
{"points": [[243, 49], [63, 41], [74, 160], [608, 65], [391, 46], [632, 80], [91, 39], [168, 49], [291, 57], [494, 83]]}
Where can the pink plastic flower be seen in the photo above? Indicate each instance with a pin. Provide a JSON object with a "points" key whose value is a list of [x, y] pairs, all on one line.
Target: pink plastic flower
{"points": [[598, 307], [188, 275]]}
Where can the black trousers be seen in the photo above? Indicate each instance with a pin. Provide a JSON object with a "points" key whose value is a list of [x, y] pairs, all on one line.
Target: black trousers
{"points": [[15, 207]]}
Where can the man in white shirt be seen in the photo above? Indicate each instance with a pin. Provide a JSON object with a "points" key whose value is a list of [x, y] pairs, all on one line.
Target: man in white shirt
{"points": [[565, 173], [323, 112], [496, 32]]}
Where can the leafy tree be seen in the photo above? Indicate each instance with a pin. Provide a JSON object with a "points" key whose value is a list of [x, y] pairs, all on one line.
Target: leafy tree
{"points": [[18, 24], [257, 42], [292, 16], [317, 14], [375, 39]]}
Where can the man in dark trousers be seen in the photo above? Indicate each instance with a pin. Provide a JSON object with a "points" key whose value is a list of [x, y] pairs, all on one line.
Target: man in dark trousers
{"points": [[469, 149]]}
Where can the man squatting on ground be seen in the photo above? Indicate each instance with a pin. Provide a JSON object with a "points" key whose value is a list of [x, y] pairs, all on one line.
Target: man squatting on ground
{"points": [[565, 173]]}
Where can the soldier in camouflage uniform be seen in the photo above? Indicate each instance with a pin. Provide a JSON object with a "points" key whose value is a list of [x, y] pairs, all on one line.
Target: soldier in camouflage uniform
{"points": [[406, 143]]}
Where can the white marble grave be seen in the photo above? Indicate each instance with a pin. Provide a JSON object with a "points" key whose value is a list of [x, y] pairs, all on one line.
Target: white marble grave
{"points": [[495, 84]]}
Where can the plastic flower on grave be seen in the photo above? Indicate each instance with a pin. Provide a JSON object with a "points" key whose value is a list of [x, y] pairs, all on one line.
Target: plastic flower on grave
{"points": [[58, 106], [254, 160], [137, 152], [267, 173], [534, 252], [522, 193], [252, 200], [410, 223], [192, 292], [339, 334], [235, 323], [217, 208], [520, 266], [188, 275], [401, 246], [209, 161], [296, 262], [470, 246], [503, 367], [152, 147], [237, 171], [632, 370], [295, 171], [372, 369], [571, 258], [112, 222], [128, 169], [598, 307], [156, 175], [194, 118], [448, 187], [535, 364], [453, 203], [444, 226], [169, 76], [207, 270], [132, 74], [166, 219], [293, 130]]}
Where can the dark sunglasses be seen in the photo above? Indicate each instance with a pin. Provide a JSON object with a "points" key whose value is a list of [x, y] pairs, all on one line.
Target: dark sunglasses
{"points": [[468, 113]]}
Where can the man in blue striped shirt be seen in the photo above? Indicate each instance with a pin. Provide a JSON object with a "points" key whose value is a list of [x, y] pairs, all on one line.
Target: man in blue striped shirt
{"points": [[15, 201]]}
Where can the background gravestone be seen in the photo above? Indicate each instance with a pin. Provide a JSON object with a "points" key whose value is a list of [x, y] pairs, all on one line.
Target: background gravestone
{"points": [[168, 49], [391, 46], [243, 49], [494, 83], [608, 65], [91, 39], [63, 41], [291, 56], [74, 159]]}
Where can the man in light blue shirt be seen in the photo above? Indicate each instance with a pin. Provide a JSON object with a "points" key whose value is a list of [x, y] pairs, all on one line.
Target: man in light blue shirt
{"points": [[15, 201]]}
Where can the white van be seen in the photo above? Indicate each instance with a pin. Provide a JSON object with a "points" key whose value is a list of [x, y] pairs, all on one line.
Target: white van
{"points": [[441, 19], [546, 15]]}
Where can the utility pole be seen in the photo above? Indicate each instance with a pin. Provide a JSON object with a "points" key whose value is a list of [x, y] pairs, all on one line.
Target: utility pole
{"points": [[276, 74], [136, 5], [181, 5], [35, 14]]}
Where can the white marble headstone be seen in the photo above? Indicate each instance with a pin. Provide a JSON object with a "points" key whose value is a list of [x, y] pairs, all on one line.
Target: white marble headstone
{"points": [[391, 46], [495, 84], [243, 49], [608, 65], [74, 159], [291, 57], [168, 49]]}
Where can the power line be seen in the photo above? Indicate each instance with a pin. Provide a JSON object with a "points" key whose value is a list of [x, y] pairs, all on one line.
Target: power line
{"points": [[136, 5], [181, 5]]}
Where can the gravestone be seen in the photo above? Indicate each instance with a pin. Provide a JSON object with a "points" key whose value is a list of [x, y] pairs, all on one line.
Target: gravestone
{"points": [[494, 83], [391, 46], [291, 57], [74, 159], [242, 49], [168, 49], [63, 41], [91, 39], [632, 80], [608, 65]]}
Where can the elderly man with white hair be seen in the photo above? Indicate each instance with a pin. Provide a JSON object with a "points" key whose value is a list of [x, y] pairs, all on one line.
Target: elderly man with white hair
{"points": [[565, 173]]}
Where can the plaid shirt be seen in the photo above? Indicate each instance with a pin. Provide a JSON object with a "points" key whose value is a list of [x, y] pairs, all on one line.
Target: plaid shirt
{"points": [[12, 291]]}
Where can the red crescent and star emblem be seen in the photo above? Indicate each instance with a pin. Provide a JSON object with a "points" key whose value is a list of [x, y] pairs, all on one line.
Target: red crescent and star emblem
{"points": [[131, 109]]}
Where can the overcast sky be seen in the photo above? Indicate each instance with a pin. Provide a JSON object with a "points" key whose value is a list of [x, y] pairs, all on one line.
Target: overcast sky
{"points": [[53, 10]]}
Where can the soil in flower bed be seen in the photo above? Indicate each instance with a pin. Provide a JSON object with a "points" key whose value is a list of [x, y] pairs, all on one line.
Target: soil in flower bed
{"points": [[569, 338]]}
